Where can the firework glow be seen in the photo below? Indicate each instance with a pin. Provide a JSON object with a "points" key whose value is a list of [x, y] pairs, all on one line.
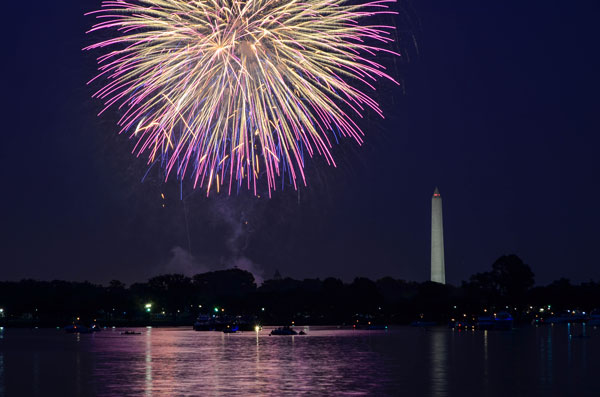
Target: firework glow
{"points": [[233, 93]]}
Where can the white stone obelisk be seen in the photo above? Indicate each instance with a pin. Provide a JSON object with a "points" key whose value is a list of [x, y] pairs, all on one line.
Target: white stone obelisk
{"points": [[438, 270]]}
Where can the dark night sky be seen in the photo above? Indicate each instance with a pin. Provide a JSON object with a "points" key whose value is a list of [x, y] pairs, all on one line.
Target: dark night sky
{"points": [[499, 109]]}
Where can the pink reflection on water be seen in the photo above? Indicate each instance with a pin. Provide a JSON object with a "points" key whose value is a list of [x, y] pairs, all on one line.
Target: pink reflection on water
{"points": [[184, 362]]}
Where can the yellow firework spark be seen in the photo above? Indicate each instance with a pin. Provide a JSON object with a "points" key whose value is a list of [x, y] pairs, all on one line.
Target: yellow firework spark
{"points": [[232, 91]]}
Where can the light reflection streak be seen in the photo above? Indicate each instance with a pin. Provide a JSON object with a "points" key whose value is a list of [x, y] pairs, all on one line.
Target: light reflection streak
{"points": [[569, 347], [148, 356], [486, 378], [546, 353], [439, 363], [1, 365], [584, 347]]}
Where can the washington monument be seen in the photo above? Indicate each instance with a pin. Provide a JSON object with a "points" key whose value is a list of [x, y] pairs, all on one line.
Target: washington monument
{"points": [[438, 270]]}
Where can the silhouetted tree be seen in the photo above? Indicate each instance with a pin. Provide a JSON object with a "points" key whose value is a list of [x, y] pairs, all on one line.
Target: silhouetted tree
{"points": [[512, 277]]}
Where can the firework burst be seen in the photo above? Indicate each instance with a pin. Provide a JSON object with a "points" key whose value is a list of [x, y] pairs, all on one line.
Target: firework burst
{"points": [[233, 92]]}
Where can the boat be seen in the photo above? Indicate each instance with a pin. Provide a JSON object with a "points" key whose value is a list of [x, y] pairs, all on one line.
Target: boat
{"points": [[78, 329], [230, 330], [301, 333], [556, 320], [421, 323], [283, 331], [460, 324], [571, 316], [131, 333], [220, 322], [377, 327], [485, 322], [503, 321]]}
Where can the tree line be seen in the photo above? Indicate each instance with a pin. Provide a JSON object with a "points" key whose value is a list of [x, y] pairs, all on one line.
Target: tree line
{"points": [[178, 299]]}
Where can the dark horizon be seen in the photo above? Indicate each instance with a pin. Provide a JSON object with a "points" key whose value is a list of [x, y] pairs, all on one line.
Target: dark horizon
{"points": [[498, 108], [476, 278]]}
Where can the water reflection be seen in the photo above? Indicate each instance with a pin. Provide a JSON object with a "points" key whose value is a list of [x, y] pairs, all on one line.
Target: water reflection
{"points": [[486, 377], [149, 362], [439, 363], [569, 347], [546, 357], [403, 361], [2, 391], [584, 347], [36, 374]]}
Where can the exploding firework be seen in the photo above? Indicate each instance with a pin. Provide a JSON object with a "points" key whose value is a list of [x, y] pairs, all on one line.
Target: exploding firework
{"points": [[233, 92]]}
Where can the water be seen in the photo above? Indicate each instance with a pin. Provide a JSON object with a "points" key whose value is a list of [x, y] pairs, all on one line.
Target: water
{"points": [[401, 361]]}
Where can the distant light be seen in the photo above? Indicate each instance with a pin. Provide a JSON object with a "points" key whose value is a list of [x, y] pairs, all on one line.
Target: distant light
{"points": [[77, 318], [262, 309], [222, 310], [1, 328], [257, 328], [199, 305], [216, 309], [1, 310], [148, 305]]}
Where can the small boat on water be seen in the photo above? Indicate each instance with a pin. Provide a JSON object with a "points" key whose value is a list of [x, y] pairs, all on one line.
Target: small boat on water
{"points": [[570, 316], [500, 321], [422, 323], [503, 321], [461, 324], [486, 322], [283, 331], [78, 329], [556, 320], [230, 330], [131, 333], [221, 322]]}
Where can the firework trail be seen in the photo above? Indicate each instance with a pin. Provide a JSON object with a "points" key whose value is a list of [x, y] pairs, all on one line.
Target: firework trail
{"points": [[231, 92]]}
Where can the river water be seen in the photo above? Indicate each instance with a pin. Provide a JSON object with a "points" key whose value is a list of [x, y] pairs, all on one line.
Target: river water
{"points": [[403, 361]]}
